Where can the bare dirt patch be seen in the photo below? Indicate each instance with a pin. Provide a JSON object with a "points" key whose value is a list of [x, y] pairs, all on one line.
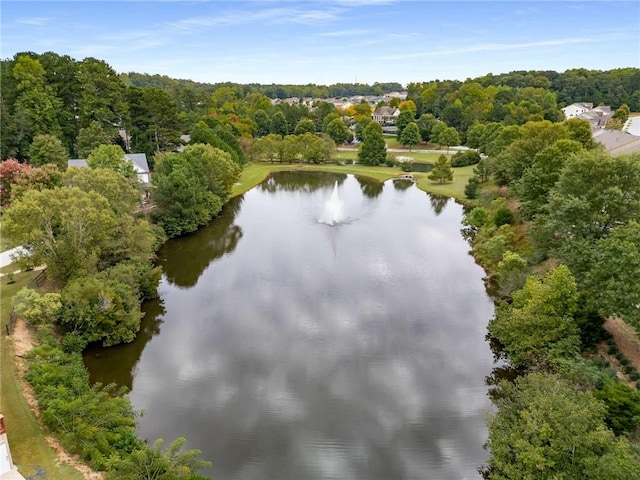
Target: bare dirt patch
{"points": [[626, 339], [23, 342]]}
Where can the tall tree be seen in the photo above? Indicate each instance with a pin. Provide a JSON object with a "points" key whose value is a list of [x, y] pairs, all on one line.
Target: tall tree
{"points": [[410, 135], [373, 150], [91, 137], [48, 149], [102, 96], [337, 131]]}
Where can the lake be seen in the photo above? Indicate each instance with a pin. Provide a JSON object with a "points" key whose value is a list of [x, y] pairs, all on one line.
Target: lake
{"points": [[288, 348]]}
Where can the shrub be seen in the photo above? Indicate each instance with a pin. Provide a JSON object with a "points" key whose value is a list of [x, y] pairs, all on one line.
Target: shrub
{"points": [[503, 216], [612, 350], [462, 159]]}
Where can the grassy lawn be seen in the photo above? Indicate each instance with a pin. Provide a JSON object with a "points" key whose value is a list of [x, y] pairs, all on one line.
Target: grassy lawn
{"points": [[254, 173], [26, 439]]}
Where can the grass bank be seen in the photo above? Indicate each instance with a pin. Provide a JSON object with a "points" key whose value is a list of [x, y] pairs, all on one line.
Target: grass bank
{"points": [[29, 447], [256, 172]]}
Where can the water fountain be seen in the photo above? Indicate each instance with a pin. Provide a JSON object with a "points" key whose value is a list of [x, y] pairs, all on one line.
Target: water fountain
{"points": [[333, 209]]}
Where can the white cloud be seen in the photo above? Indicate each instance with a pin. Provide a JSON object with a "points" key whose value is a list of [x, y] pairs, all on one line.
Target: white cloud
{"points": [[488, 47], [33, 21]]}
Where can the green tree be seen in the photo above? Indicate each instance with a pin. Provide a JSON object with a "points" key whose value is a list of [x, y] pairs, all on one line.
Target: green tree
{"points": [[580, 131], [102, 96], [594, 193], [405, 118], [449, 136], [37, 308], [337, 131], [442, 171], [410, 135], [279, 124], [373, 150], [538, 180], [121, 193], [538, 326], [111, 157], [425, 124], [91, 137], [48, 149], [267, 147], [612, 277], [191, 187], [100, 309], [361, 124], [263, 123], [36, 108], [151, 463], [305, 125], [66, 229], [546, 429], [623, 406], [437, 128]]}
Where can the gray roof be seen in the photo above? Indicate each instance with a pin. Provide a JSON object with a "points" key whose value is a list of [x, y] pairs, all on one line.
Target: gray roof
{"points": [[139, 161], [385, 111], [616, 142]]}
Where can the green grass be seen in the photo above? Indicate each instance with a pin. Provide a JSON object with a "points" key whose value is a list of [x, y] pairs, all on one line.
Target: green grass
{"points": [[254, 173], [26, 439]]}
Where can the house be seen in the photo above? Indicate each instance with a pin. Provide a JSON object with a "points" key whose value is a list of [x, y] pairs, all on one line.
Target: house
{"points": [[140, 165], [385, 115], [139, 161], [576, 109]]}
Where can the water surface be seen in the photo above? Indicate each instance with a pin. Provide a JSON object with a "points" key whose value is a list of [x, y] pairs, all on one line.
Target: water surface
{"points": [[285, 348]]}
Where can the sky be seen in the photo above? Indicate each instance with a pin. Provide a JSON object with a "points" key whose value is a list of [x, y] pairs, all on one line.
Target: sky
{"points": [[330, 41]]}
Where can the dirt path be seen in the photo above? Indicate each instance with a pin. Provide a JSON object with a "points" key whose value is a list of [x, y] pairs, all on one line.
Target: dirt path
{"points": [[626, 339], [22, 343]]}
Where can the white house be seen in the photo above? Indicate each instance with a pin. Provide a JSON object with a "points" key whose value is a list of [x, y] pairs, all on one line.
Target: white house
{"points": [[139, 161], [576, 109]]}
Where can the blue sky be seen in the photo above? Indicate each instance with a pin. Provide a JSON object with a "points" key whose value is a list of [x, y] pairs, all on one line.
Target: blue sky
{"points": [[331, 41]]}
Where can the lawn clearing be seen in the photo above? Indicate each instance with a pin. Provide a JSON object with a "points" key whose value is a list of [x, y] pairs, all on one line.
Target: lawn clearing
{"points": [[254, 173], [29, 447]]}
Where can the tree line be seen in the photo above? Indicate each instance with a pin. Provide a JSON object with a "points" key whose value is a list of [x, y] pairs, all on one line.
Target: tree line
{"points": [[555, 225]]}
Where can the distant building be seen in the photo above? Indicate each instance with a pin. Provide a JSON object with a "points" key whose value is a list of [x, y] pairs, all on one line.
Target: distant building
{"points": [[385, 115], [576, 109], [597, 117]]}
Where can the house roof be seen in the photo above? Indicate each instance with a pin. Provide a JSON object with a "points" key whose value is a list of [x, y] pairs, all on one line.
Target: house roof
{"points": [[385, 111], [617, 142], [139, 161]]}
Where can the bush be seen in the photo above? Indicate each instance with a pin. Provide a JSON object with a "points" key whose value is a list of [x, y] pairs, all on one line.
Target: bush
{"points": [[635, 376], [503, 216], [462, 159], [612, 350]]}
